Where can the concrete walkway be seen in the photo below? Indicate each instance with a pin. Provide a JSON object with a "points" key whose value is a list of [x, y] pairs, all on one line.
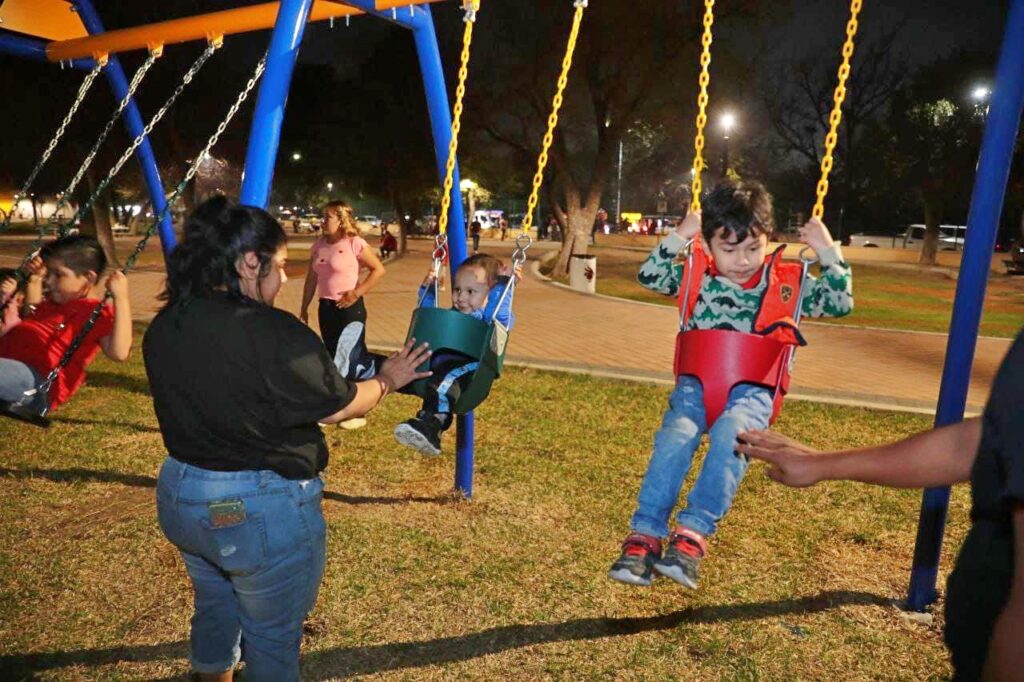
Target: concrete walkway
{"points": [[561, 329]]}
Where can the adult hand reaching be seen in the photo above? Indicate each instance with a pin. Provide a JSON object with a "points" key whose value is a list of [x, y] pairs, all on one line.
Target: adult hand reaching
{"points": [[789, 462], [400, 367]]}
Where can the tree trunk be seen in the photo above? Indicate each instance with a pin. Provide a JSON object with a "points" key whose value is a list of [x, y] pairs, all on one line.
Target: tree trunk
{"points": [[396, 203], [101, 220], [932, 218], [577, 223]]}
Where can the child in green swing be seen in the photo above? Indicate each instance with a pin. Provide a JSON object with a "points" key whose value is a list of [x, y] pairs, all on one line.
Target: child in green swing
{"points": [[478, 291], [736, 285]]}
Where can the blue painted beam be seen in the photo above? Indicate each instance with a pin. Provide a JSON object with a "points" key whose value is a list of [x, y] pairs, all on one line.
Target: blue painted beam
{"points": [[34, 49], [265, 134], [133, 122], [1001, 125]]}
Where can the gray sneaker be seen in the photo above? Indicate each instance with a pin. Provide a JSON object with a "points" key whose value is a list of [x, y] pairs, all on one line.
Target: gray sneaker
{"points": [[422, 435], [633, 567], [681, 561]]}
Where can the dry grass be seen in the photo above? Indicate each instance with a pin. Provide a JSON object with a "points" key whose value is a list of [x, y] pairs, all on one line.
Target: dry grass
{"points": [[421, 585]]}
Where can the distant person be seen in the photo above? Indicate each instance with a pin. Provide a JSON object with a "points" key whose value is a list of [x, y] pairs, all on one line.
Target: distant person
{"points": [[735, 285], [503, 225], [336, 261], [388, 245], [474, 234], [985, 591]]}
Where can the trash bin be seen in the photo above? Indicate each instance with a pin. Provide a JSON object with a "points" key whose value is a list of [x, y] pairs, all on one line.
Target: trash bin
{"points": [[583, 272]]}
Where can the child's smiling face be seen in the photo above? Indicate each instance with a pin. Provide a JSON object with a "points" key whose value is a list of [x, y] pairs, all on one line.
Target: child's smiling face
{"points": [[738, 261], [470, 290]]}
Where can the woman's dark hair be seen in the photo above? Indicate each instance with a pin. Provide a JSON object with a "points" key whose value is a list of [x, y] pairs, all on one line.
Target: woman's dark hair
{"points": [[216, 235], [739, 208], [78, 252]]}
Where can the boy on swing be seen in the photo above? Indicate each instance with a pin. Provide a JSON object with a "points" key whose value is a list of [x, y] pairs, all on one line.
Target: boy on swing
{"points": [[736, 286], [478, 291], [71, 268]]}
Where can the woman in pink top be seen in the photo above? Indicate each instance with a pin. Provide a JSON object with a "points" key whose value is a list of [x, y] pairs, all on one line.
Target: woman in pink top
{"points": [[336, 260]]}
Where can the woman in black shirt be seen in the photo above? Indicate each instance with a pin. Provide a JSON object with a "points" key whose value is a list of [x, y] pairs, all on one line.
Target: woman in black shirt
{"points": [[238, 388], [985, 591]]}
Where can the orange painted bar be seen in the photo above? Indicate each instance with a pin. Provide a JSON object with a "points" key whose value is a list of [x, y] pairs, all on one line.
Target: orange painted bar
{"points": [[199, 27]]}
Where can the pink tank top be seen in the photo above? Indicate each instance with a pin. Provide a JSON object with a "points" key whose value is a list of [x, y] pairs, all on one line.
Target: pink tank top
{"points": [[336, 265]]}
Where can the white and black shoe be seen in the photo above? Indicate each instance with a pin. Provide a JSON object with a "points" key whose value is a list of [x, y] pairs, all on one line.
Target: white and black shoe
{"points": [[420, 434]]}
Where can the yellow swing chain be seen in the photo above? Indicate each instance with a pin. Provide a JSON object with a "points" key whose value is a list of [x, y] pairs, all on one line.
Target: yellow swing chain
{"points": [[556, 104], [837, 110], [471, 7], [702, 104]]}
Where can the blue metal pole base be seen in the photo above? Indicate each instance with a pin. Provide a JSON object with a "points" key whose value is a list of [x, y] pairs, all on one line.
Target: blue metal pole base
{"points": [[464, 455], [994, 161]]}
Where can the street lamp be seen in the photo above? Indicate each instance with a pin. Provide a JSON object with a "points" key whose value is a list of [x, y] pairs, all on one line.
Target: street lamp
{"points": [[467, 186], [980, 94], [296, 156], [728, 122], [330, 186]]}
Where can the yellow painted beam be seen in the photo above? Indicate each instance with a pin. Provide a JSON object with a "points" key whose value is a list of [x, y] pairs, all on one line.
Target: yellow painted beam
{"points": [[48, 19]]}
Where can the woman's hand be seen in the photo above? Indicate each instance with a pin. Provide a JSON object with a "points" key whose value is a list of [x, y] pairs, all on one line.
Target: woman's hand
{"points": [[348, 298], [789, 462], [304, 316], [400, 367]]}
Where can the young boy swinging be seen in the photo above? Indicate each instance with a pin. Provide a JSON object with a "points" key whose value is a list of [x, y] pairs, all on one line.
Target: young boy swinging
{"points": [[736, 286]]}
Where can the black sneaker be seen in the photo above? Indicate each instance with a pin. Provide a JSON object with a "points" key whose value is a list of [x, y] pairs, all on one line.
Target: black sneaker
{"points": [[422, 435], [639, 552], [682, 557]]}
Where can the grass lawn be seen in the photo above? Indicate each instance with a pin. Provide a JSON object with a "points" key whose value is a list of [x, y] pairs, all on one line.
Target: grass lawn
{"points": [[893, 297], [421, 585]]}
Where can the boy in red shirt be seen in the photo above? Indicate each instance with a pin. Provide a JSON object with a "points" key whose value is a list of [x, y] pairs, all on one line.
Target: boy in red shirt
{"points": [[72, 268]]}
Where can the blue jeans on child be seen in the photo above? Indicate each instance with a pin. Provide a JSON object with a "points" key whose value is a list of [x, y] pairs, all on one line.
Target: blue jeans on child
{"points": [[15, 378], [748, 407], [256, 573]]}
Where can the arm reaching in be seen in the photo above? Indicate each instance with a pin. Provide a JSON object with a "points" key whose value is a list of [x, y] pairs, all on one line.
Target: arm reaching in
{"points": [[939, 457]]}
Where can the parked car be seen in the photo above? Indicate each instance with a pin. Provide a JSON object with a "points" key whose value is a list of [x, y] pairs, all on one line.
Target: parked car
{"points": [[951, 238]]}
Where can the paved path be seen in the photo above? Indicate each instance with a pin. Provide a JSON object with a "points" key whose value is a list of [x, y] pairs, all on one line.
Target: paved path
{"points": [[636, 341]]}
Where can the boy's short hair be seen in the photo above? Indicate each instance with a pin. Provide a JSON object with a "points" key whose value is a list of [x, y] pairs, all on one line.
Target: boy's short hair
{"points": [[739, 208], [78, 252], [491, 266]]}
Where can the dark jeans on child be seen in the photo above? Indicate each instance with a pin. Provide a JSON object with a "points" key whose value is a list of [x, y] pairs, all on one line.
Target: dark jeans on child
{"points": [[452, 373], [344, 333]]}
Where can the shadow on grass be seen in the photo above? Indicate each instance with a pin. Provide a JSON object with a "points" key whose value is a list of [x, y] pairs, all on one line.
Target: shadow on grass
{"points": [[367, 660], [116, 380], [76, 475]]}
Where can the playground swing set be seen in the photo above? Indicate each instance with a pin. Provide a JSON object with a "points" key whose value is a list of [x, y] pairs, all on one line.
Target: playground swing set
{"points": [[71, 32]]}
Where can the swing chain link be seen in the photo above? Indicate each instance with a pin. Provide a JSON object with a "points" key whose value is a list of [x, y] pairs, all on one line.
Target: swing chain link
{"points": [[186, 80], [471, 7], [111, 122], [837, 110], [76, 342], [702, 105], [83, 89], [523, 243], [556, 104]]}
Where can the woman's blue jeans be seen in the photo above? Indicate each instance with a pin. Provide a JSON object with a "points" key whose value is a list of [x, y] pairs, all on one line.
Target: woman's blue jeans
{"points": [[254, 545], [748, 407]]}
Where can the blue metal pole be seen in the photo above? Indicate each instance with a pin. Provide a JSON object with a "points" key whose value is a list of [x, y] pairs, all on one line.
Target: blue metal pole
{"points": [[997, 145], [133, 122], [265, 134], [441, 127], [34, 49]]}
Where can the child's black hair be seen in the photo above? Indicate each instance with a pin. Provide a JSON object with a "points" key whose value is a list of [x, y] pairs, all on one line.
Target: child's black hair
{"points": [[216, 235], [77, 252], [739, 208]]}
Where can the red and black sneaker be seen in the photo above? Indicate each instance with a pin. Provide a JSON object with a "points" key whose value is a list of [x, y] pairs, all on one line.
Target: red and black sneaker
{"points": [[634, 566], [682, 557]]}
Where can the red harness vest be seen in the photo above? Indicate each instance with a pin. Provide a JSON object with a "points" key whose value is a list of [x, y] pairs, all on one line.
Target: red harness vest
{"points": [[776, 310]]}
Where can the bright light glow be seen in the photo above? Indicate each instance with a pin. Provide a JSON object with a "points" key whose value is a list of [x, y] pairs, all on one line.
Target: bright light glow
{"points": [[728, 121], [466, 185], [980, 93], [330, 186], [296, 156]]}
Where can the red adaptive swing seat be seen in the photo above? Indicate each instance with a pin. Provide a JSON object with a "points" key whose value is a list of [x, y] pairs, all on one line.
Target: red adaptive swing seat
{"points": [[721, 358]]}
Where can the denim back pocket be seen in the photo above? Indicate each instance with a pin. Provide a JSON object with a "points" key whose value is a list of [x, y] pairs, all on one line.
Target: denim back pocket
{"points": [[238, 549]]}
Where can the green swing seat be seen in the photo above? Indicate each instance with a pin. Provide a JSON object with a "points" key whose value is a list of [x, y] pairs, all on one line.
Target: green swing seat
{"points": [[446, 329]]}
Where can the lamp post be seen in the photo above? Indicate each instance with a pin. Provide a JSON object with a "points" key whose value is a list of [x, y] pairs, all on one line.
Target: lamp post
{"points": [[296, 156], [466, 185], [330, 186], [728, 121]]}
